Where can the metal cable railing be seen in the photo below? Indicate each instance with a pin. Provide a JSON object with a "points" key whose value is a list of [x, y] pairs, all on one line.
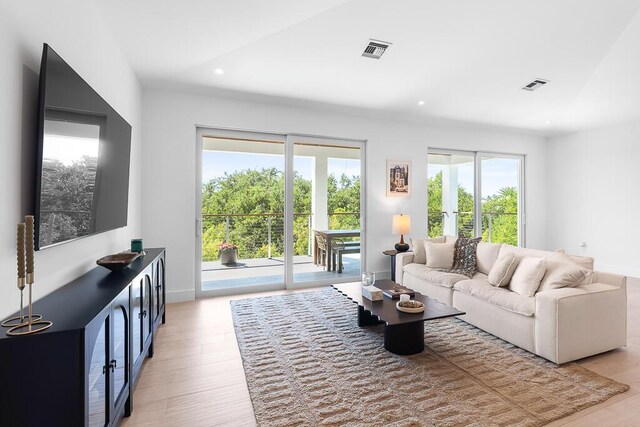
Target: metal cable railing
{"points": [[262, 235], [463, 225]]}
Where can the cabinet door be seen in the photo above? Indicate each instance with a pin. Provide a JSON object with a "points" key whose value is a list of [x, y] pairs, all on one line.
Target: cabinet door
{"points": [[159, 277], [98, 401], [136, 318], [120, 349], [147, 318]]}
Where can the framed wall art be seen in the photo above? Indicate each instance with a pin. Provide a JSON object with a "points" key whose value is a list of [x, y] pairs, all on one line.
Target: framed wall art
{"points": [[398, 178]]}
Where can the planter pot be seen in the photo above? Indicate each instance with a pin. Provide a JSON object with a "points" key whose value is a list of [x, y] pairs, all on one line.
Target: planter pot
{"points": [[228, 256]]}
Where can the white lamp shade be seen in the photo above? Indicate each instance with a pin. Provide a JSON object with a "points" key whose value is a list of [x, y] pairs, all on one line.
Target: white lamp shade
{"points": [[401, 224]]}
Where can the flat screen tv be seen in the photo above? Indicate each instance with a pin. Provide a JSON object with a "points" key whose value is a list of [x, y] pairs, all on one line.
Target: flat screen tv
{"points": [[83, 155]]}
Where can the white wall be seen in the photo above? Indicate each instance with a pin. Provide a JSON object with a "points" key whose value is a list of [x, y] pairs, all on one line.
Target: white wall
{"points": [[593, 187], [75, 31], [169, 163]]}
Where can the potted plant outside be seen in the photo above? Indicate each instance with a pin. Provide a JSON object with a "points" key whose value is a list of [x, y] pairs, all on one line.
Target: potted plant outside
{"points": [[228, 253]]}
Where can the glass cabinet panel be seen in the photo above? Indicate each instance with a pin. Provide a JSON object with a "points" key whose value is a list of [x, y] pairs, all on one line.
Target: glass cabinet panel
{"points": [[146, 310], [136, 316], [98, 380], [120, 335], [159, 301]]}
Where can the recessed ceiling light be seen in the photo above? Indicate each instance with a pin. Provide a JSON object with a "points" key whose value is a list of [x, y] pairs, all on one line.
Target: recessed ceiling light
{"points": [[548, 122], [420, 103], [218, 71]]}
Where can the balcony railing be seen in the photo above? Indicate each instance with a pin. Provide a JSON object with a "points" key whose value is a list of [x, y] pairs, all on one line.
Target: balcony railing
{"points": [[262, 235], [464, 225]]}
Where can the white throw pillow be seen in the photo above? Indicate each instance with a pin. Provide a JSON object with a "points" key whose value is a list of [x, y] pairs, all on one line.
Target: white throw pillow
{"points": [[503, 269], [528, 275], [417, 246], [439, 255], [486, 256], [563, 272]]}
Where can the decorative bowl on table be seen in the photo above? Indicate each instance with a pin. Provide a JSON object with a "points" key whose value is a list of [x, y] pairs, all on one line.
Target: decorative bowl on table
{"points": [[118, 262], [410, 306]]}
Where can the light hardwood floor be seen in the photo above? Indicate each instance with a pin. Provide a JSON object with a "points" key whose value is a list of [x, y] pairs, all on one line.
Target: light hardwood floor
{"points": [[196, 376]]}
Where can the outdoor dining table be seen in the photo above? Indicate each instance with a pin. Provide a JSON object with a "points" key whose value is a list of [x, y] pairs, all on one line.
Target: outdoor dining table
{"points": [[329, 235]]}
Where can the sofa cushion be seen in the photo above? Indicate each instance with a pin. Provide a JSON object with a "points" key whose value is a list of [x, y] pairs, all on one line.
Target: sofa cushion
{"points": [[503, 269], [481, 289], [563, 272], [440, 278], [439, 255], [487, 254], [417, 246], [528, 275], [522, 252], [582, 261]]}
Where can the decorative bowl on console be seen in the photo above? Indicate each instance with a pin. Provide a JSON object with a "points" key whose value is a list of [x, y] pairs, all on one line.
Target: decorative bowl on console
{"points": [[118, 262]]}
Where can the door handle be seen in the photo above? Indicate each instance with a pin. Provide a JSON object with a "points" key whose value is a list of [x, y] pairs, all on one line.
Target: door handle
{"points": [[198, 227]]}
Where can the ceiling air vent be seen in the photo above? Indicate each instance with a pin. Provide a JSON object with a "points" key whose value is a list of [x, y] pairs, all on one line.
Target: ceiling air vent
{"points": [[535, 84], [375, 49]]}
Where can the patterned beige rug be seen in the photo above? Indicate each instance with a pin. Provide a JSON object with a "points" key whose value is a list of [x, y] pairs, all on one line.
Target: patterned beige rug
{"points": [[307, 363]]}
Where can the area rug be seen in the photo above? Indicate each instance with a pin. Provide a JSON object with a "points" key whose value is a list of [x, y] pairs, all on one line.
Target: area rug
{"points": [[307, 363]]}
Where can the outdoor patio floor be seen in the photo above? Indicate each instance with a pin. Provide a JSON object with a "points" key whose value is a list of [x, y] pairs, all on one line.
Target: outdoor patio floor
{"points": [[265, 271]]}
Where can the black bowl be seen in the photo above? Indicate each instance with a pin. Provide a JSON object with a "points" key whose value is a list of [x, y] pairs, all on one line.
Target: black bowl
{"points": [[118, 262]]}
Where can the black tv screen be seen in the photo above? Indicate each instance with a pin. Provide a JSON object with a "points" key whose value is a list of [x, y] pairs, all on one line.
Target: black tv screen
{"points": [[84, 146]]}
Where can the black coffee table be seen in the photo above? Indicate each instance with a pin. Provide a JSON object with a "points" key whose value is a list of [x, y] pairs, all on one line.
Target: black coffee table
{"points": [[403, 332]]}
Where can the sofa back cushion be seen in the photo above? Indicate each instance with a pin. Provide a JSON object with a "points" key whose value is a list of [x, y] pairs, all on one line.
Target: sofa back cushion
{"points": [[563, 272], [503, 269], [417, 246], [439, 255], [486, 255], [582, 261], [528, 275], [522, 252]]}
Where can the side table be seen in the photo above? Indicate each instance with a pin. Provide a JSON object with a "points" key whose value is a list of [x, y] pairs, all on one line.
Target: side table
{"points": [[392, 253]]}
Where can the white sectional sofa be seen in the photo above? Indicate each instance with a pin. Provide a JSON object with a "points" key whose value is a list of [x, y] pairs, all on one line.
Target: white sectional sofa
{"points": [[560, 325]]}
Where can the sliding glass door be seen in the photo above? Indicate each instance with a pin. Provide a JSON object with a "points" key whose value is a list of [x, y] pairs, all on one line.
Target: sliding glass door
{"points": [[276, 211], [242, 203], [474, 194], [327, 188]]}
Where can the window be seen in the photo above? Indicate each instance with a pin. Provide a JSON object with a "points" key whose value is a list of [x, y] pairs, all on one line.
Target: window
{"points": [[474, 194]]}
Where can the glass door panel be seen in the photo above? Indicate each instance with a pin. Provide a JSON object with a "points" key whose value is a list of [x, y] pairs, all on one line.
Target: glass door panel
{"points": [[146, 308], [327, 243], [242, 212], [501, 195], [159, 276], [98, 380], [120, 335], [136, 316], [450, 194]]}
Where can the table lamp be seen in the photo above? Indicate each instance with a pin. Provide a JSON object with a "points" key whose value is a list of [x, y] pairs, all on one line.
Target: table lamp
{"points": [[401, 225]]}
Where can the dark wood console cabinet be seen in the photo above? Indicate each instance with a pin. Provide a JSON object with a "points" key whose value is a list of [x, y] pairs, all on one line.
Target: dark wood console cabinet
{"points": [[82, 371]]}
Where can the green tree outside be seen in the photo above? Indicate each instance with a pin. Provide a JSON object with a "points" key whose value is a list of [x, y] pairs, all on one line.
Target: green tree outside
{"points": [[502, 208], [254, 193]]}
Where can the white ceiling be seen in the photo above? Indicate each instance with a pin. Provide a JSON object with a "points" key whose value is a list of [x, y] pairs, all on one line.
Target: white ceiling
{"points": [[467, 59]]}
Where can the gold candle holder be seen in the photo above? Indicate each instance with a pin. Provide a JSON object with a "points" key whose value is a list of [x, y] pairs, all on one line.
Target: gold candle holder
{"points": [[20, 319]]}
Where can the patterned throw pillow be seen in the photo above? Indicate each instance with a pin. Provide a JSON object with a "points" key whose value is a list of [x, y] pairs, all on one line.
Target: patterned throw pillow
{"points": [[464, 256]]}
